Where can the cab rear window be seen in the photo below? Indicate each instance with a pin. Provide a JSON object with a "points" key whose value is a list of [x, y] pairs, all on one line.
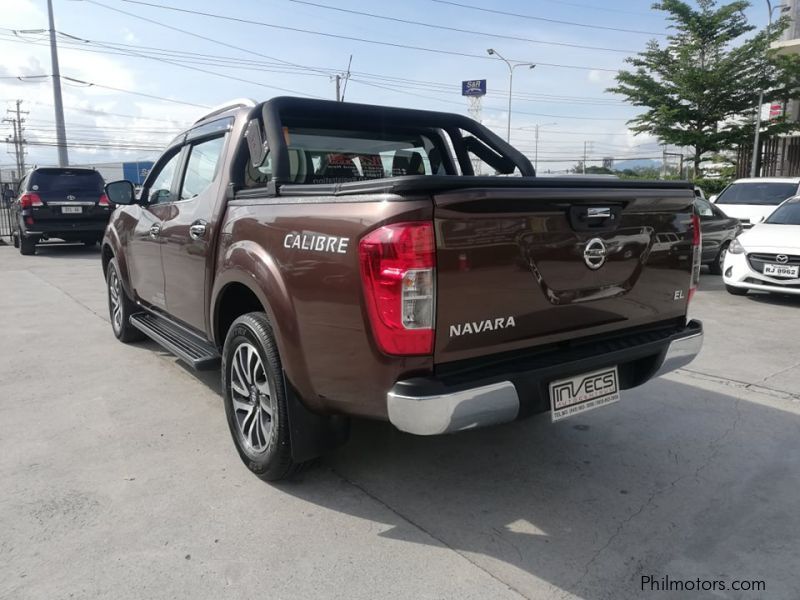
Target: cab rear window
{"points": [[66, 180]]}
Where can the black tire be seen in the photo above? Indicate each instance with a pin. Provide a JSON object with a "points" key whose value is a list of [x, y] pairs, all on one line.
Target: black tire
{"points": [[27, 245], [258, 421], [120, 321], [719, 261], [15, 239], [736, 291]]}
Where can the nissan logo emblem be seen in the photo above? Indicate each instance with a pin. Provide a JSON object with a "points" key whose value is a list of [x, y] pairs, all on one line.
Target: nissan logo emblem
{"points": [[782, 258], [594, 255]]}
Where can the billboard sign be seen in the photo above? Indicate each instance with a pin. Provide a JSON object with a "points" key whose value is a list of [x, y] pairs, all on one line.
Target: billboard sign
{"points": [[473, 87], [136, 172]]}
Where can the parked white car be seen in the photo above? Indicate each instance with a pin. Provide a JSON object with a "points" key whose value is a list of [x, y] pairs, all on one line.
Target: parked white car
{"points": [[767, 257], [752, 200]]}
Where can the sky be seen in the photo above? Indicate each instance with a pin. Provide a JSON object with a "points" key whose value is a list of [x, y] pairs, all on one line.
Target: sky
{"points": [[177, 63]]}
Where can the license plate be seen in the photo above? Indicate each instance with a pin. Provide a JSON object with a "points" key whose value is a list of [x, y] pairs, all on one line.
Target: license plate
{"points": [[782, 270], [580, 393], [71, 210]]}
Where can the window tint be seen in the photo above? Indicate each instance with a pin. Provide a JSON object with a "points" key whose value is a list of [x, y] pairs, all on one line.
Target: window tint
{"points": [[762, 193], [703, 207], [160, 189], [65, 181], [201, 167]]}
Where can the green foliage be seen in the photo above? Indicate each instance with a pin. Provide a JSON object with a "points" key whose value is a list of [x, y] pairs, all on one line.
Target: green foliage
{"points": [[712, 186], [700, 89]]}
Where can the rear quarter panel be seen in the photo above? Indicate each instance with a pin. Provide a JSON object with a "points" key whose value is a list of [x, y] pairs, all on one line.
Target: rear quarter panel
{"points": [[314, 297]]}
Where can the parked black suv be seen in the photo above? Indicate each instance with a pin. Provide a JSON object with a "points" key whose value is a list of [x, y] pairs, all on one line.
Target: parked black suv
{"points": [[68, 204]]}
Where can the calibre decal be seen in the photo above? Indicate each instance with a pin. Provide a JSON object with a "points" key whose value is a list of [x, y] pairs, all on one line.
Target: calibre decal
{"points": [[316, 242]]}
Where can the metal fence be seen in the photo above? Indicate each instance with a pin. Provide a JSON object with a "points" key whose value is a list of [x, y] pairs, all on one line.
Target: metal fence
{"points": [[5, 222]]}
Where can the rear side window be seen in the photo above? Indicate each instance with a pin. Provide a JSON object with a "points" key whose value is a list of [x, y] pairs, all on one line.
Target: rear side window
{"points": [[340, 156], [762, 193], [65, 180]]}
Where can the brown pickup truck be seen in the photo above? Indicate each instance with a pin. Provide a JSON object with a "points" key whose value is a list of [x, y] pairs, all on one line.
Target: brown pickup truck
{"points": [[343, 260]]}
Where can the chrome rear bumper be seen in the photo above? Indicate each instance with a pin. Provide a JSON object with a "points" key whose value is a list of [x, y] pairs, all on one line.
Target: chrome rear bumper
{"points": [[498, 402]]}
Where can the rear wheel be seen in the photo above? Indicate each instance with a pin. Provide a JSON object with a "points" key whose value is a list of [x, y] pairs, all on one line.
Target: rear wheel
{"points": [[736, 291], [719, 262], [120, 307], [255, 398], [27, 245]]}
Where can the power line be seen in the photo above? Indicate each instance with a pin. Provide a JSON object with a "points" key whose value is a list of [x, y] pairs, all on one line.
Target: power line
{"points": [[471, 32], [534, 18], [321, 33], [116, 89]]}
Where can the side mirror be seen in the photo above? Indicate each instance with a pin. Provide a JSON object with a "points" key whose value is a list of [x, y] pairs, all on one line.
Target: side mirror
{"points": [[713, 199], [121, 192]]}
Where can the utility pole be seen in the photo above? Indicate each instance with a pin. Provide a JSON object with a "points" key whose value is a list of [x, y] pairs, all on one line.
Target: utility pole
{"points": [[585, 145], [341, 89], [18, 138], [536, 144], [61, 130]]}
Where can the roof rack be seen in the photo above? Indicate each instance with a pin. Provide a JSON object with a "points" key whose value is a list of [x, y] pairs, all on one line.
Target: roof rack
{"points": [[230, 105]]}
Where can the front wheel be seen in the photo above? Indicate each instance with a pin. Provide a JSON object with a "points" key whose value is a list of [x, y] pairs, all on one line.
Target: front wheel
{"points": [[719, 262], [255, 398], [120, 307], [736, 291]]}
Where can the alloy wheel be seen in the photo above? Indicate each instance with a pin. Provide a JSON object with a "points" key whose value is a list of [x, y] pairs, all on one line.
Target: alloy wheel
{"points": [[252, 398], [114, 296]]}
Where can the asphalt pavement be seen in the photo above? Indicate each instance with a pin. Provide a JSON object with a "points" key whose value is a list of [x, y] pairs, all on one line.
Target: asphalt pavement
{"points": [[118, 478]]}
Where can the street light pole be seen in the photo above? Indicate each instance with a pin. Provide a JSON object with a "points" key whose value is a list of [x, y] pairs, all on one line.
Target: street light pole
{"points": [[754, 161], [511, 66]]}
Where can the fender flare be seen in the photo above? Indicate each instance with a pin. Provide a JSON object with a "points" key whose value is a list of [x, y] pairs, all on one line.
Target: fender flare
{"points": [[249, 264], [112, 242]]}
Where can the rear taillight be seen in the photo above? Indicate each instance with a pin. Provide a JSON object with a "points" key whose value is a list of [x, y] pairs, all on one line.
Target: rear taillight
{"points": [[398, 271], [697, 249], [29, 200], [104, 200]]}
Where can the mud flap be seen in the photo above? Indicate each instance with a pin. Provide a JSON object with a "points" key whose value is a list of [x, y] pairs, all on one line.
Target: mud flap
{"points": [[311, 434]]}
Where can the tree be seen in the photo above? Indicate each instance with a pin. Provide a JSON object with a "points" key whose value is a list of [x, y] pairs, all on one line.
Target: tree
{"points": [[701, 88]]}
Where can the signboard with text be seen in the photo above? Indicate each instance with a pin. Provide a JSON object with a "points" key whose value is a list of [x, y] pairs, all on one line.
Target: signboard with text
{"points": [[136, 172], [473, 87]]}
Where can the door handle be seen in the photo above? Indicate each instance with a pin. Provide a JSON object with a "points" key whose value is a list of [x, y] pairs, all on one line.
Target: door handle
{"points": [[155, 230], [197, 230]]}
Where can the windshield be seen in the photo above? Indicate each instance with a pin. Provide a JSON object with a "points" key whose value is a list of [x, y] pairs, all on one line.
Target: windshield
{"points": [[66, 180], [788, 214], [756, 192]]}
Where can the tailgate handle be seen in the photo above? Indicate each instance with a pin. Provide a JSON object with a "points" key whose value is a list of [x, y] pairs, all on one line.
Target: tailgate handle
{"points": [[594, 218]]}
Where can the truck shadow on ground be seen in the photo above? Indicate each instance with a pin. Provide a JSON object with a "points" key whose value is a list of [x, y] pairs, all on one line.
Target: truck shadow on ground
{"points": [[62, 250], [673, 480]]}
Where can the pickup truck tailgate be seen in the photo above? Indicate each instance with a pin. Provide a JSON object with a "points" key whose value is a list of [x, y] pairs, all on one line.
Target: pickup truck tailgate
{"points": [[518, 268]]}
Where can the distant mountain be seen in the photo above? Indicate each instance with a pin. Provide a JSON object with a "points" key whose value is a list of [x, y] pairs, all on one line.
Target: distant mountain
{"points": [[636, 164]]}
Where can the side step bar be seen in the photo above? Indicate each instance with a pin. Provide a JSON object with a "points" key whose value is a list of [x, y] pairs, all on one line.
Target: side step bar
{"points": [[191, 349]]}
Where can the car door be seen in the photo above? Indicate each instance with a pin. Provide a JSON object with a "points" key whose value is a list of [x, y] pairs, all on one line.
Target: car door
{"points": [[144, 251], [186, 232], [713, 227]]}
